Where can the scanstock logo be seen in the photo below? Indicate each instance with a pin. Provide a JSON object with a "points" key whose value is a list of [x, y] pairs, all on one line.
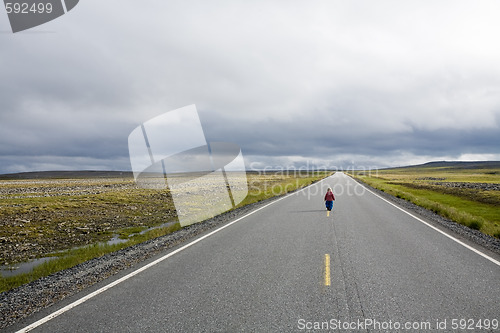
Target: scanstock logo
{"points": [[26, 14], [171, 152]]}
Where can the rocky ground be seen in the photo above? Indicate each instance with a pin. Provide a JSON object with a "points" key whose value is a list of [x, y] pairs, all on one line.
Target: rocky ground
{"points": [[39, 217], [475, 186], [28, 299], [57, 188]]}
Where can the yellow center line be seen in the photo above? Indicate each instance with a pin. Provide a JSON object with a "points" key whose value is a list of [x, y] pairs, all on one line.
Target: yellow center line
{"points": [[327, 270]]}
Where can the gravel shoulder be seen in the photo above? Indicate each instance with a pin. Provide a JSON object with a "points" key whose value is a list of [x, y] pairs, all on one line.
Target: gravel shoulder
{"points": [[28, 299]]}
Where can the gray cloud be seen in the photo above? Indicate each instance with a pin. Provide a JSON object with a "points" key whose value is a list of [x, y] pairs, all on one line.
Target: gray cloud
{"points": [[379, 83]]}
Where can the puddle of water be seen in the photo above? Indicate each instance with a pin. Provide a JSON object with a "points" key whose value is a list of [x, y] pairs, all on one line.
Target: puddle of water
{"points": [[114, 240], [164, 225], [23, 267]]}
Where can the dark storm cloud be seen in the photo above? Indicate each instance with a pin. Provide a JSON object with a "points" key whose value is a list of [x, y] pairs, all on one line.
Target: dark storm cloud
{"points": [[333, 82], [320, 140]]}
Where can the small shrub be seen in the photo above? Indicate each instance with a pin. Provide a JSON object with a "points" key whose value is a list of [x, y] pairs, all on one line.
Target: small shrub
{"points": [[476, 225]]}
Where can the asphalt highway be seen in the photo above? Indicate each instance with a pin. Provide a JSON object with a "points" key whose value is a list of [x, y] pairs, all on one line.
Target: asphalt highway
{"points": [[289, 267]]}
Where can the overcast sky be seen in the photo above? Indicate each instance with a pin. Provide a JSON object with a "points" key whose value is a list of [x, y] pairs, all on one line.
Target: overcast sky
{"points": [[324, 83]]}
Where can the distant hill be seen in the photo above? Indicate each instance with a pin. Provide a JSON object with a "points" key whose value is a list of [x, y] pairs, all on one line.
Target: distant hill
{"points": [[129, 174], [67, 175], [456, 165]]}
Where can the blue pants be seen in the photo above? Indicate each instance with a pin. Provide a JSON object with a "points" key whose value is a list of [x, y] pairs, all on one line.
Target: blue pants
{"points": [[329, 205]]}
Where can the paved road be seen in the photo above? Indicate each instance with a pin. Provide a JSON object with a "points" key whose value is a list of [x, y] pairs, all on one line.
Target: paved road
{"points": [[269, 273]]}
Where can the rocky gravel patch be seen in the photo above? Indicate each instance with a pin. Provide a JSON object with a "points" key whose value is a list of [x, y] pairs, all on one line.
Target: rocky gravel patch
{"points": [[473, 186], [58, 188]]}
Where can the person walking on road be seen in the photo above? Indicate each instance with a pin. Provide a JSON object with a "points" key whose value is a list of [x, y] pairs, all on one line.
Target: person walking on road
{"points": [[329, 198]]}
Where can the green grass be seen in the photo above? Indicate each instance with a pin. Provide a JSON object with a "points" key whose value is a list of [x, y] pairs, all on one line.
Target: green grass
{"points": [[475, 208], [127, 232]]}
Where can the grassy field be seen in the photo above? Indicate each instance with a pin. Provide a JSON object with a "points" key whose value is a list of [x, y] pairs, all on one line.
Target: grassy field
{"points": [[468, 194], [74, 218]]}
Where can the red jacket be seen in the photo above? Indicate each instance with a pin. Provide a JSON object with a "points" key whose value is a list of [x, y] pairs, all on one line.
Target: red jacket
{"points": [[329, 196]]}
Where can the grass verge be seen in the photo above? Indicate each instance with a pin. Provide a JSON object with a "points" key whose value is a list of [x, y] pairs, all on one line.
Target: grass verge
{"points": [[464, 206]]}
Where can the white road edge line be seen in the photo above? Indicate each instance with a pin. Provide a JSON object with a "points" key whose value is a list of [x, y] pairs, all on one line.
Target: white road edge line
{"points": [[496, 262], [157, 261]]}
